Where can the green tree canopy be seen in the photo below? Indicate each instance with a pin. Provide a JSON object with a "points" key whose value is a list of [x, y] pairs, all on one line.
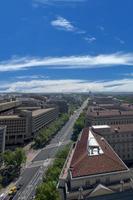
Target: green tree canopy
{"points": [[47, 191]]}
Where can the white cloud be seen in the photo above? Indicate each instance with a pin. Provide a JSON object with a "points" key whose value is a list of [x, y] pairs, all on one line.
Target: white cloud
{"points": [[32, 77], [119, 40], [56, 2], [63, 24], [101, 28], [87, 61], [128, 74], [65, 86], [90, 39]]}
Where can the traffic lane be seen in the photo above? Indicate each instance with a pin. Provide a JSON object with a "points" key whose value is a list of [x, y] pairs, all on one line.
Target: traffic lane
{"points": [[57, 137], [48, 153], [33, 192], [65, 130], [59, 134], [25, 178], [45, 154]]}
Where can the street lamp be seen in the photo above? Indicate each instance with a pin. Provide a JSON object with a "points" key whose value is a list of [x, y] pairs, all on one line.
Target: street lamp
{"points": [[80, 197]]}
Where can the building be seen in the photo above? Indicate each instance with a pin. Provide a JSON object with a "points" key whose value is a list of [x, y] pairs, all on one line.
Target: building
{"points": [[9, 105], [103, 100], [24, 125], [126, 195], [93, 169], [42, 117], [2, 138], [60, 104], [30, 102], [120, 137], [99, 115]]}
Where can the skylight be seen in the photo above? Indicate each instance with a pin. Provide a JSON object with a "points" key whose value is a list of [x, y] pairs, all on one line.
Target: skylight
{"points": [[93, 146]]}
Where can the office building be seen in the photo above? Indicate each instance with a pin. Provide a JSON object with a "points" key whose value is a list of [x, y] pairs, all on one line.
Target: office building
{"points": [[99, 115], [2, 138], [4, 107], [25, 124], [60, 104], [120, 137]]}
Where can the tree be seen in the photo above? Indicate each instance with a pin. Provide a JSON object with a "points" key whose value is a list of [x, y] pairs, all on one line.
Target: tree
{"points": [[47, 191], [14, 158], [78, 126], [52, 174], [47, 133], [12, 164], [1, 181], [8, 158], [19, 157]]}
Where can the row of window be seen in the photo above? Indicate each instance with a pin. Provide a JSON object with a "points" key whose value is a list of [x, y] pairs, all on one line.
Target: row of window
{"points": [[101, 122]]}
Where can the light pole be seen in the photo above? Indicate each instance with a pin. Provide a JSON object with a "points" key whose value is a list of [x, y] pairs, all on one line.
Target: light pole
{"points": [[80, 197]]}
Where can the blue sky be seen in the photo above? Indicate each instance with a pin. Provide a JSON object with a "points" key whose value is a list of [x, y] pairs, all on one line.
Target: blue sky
{"points": [[66, 45]]}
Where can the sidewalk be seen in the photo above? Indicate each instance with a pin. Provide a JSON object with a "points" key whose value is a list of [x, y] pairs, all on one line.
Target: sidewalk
{"points": [[30, 154]]}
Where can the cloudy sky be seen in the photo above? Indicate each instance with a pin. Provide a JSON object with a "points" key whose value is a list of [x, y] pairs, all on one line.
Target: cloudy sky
{"points": [[66, 45]]}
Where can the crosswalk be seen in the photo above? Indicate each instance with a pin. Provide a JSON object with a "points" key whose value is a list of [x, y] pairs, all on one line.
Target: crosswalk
{"points": [[57, 144], [44, 163]]}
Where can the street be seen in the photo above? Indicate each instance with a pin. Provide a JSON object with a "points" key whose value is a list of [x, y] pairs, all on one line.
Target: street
{"points": [[32, 175]]}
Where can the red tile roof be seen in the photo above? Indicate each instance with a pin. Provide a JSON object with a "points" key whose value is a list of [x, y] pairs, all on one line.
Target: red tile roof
{"points": [[82, 164]]}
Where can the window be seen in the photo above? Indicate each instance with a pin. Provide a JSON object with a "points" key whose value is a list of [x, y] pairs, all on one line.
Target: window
{"points": [[97, 181], [87, 183], [107, 180]]}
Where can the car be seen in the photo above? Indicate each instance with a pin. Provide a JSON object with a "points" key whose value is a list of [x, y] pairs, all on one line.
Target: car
{"points": [[12, 190], [19, 186]]}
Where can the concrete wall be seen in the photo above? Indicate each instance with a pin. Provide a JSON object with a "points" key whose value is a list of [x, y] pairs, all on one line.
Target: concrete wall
{"points": [[103, 179]]}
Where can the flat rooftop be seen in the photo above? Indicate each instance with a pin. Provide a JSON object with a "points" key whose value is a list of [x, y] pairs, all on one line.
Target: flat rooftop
{"points": [[9, 117], [41, 111], [9, 105], [29, 108], [100, 126], [94, 157]]}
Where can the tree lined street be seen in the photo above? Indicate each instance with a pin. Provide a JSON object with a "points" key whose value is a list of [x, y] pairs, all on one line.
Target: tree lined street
{"points": [[32, 175]]}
